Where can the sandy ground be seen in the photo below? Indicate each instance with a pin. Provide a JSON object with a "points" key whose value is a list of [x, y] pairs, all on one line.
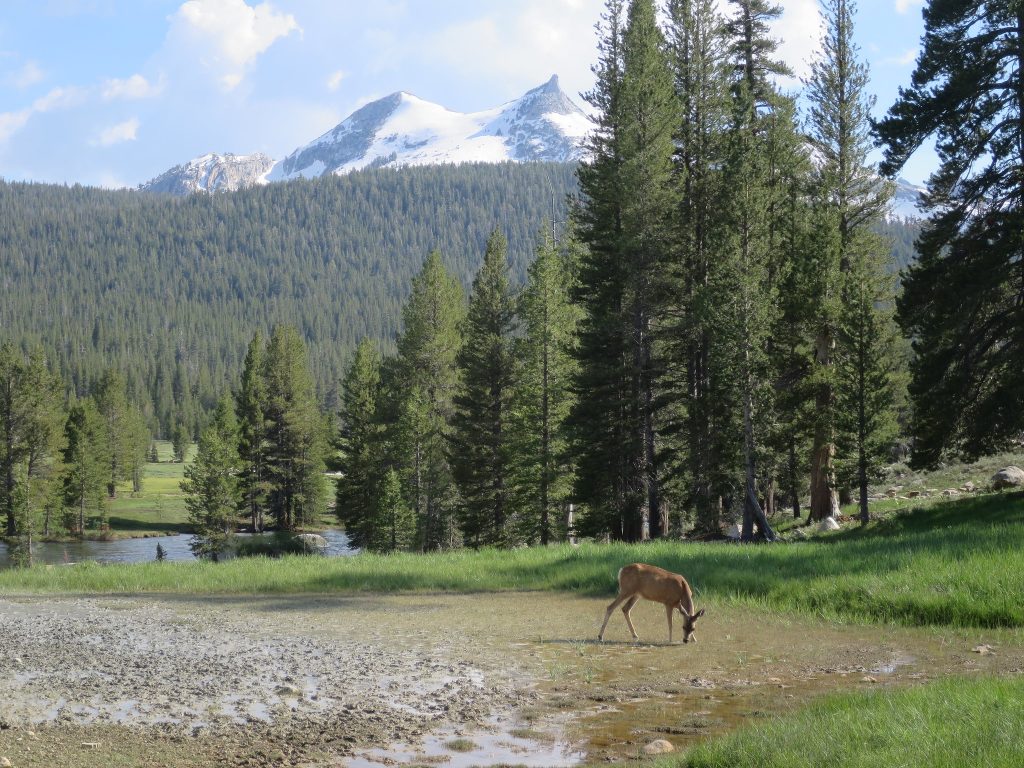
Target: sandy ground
{"points": [[368, 681]]}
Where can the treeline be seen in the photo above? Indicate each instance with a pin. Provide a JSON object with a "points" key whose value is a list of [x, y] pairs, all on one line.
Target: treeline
{"points": [[169, 291], [60, 459], [724, 339]]}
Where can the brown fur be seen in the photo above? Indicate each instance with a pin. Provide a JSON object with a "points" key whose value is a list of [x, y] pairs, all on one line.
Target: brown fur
{"points": [[650, 582]]}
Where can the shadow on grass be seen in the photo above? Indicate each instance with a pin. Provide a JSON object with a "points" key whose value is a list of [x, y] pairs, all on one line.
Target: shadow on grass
{"points": [[131, 525]]}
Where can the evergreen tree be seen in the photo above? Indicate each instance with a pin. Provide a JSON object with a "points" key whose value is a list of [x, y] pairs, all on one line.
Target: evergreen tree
{"points": [[250, 409], [395, 526], [85, 463], [629, 182], [428, 378], [296, 443], [360, 447], [707, 455], [869, 374], [851, 201], [181, 439], [119, 441], [31, 427], [480, 451], [211, 486], [543, 395], [962, 300]]}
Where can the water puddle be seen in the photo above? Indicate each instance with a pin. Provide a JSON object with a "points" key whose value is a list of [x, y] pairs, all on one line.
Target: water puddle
{"points": [[495, 743]]}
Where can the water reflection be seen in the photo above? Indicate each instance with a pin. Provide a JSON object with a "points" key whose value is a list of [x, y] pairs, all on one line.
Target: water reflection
{"points": [[141, 550]]}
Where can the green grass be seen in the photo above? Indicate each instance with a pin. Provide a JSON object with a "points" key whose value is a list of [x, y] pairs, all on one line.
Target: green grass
{"points": [[954, 723], [959, 563]]}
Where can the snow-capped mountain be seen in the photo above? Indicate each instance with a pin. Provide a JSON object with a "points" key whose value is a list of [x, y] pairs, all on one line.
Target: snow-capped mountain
{"points": [[906, 202], [212, 173], [402, 129]]}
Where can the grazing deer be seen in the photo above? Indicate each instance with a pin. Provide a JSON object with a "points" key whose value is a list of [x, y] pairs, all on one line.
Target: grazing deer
{"points": [[660, 586]]}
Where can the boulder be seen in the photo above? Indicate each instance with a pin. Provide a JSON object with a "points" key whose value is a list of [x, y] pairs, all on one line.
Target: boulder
{"points": [[733, 532], [913, 494], [5, 762], [799, 534], [312, 543], [968, 487], [829, 524], [659, 747], [1010, 477], [949, 492]]}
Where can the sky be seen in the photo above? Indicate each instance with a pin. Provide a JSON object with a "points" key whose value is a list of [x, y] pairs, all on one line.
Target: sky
{"points": [[114, 92]]}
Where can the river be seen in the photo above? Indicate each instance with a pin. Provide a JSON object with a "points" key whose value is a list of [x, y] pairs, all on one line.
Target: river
{"points": [[141, 550]]}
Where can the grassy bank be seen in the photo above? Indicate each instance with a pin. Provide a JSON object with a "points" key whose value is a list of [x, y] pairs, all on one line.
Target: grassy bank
{"points": [[954, 723], [959, 563]]}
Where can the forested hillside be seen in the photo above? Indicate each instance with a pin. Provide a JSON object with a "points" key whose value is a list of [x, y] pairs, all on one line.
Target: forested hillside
{"points": [[170, 291]]}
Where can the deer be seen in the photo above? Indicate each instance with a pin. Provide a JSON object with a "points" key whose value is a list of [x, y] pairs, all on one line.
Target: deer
{"points": [[659, 586]]}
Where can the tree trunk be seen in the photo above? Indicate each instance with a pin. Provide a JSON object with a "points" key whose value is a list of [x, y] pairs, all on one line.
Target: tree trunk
{"points": [[824, 499]]}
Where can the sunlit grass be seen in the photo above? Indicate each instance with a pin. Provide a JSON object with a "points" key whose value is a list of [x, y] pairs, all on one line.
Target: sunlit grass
{"points": [[949, 724], [960, 563]]}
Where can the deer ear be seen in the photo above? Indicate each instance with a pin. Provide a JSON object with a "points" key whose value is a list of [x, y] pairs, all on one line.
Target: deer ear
{"points": [[683, 611], [698, 614]]}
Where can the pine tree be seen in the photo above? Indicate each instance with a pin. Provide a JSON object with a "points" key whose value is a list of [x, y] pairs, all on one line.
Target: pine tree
{"points": [[480, 440], [121, 429], [181, 439], [85, 465], [360, 446], [963, 300], [296, 443], [395, 526], [869, 376], [211, 485], [543, 394], [850, 201], [250, 409], [706, 456], [624, 221]]}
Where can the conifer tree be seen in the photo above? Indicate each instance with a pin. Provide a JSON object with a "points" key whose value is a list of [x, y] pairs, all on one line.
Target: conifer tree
{"points": [[85, 465], [698, 58], [962, 300], [851, 201], [181, 439], [250, 409], [296, 442], [395, 527], [428, 378], [360, 446], [211, 485], [480, 450], [543, 394], [627, 207], [120, 429]]}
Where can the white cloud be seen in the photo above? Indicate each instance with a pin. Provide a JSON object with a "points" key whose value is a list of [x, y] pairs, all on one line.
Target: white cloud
{"points": [[228, 35], [334, 81], [12, 122], [134, 87], [28, 75], [902, 6], [799, 31], [907, 58], [118, 133], [524, 43]]}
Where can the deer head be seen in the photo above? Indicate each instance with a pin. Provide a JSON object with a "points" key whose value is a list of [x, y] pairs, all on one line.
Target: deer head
{"points": [[689, 622]]}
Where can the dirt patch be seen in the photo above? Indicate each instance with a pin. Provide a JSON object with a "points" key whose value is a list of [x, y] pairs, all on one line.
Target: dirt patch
{"points": [[367, 680]]}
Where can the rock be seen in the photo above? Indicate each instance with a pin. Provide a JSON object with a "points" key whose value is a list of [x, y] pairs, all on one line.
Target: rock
{"points": [[659, 747], [312, 543], [1010, 477], [734, 532], [5, 763], [984, 650], [950, 492], [287, 690], [829, 524], [913, 494], [891, 493], [800, 534], [968, 487]]}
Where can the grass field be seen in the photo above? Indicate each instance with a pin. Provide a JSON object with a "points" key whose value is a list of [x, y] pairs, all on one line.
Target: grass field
{"points": [[958, 563], [953, 723], [158, 508]]}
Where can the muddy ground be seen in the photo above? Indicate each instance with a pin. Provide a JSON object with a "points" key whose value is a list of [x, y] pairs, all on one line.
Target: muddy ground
{"points": [[451, 680]]}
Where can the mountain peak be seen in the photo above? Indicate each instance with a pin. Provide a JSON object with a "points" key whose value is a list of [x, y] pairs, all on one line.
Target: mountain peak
{"points": [[403, 129]]}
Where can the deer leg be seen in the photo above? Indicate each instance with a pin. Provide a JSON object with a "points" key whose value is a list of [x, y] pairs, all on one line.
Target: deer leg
{"points": [[625, 612], [608, 615], [668, 613]]}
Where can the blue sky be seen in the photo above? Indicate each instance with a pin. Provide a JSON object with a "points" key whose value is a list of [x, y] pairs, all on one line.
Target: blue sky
{"points": [[113, 92]]}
